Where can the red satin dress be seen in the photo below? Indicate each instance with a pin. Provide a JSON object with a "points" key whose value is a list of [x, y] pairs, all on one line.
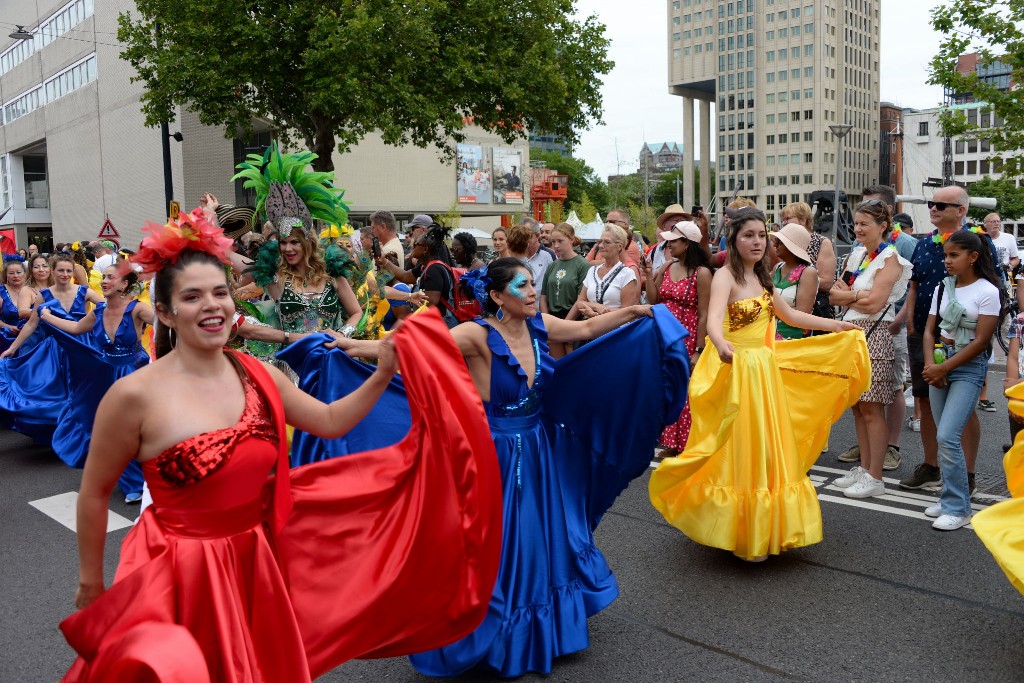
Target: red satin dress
{"points": [[281, 583]]}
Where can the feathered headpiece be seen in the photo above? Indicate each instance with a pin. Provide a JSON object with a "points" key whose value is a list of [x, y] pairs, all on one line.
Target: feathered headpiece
{"points": [[164, 243], [14, 257], [289, 194]]}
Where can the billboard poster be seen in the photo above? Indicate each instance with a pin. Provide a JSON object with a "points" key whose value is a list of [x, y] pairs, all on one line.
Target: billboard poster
{"points": [[508, 182], [474, 179]]}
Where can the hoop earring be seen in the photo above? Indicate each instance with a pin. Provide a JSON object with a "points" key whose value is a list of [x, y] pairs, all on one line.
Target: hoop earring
{"points": [[500, 315], [172, 336]]}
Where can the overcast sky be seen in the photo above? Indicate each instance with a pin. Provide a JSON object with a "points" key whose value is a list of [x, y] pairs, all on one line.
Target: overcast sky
{"points": [[637, 106]]}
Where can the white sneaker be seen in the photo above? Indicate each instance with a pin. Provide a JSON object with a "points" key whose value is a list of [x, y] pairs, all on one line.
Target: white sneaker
{"points": [[908, 397], [867, 487], [950, 522], [848, 480], [933, 511], [913, 424]]}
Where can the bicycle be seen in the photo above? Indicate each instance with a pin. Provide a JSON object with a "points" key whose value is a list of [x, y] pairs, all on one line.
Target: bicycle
{"points": [[1011, 307]]}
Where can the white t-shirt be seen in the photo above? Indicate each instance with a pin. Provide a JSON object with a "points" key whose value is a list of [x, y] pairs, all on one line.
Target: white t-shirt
{"points": [[978, 298], [538, 264], [867, 280], [608, 290], [394, 246], [1006, 248]]}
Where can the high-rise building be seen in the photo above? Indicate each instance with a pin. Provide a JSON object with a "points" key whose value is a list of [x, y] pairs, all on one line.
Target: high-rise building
{"points": [[780, 73]]}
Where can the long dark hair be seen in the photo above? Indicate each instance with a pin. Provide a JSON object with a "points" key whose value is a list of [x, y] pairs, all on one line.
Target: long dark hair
{"points": [[500, 273], [762, 268], [163, 288], [983, 266], [433, 240], [695, 257]]}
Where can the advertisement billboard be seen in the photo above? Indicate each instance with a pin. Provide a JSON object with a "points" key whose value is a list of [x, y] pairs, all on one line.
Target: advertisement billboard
{"points": [[474, 178], [508, 183]]}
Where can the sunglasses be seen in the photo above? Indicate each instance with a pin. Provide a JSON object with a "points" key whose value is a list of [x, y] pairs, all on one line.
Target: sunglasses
{"points": [[745, 212], [941, 206], [624, 223]]}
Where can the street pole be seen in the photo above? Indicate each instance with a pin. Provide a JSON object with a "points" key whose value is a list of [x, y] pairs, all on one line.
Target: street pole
{"points": [[839, 130], [165, 143], [677, 189]]}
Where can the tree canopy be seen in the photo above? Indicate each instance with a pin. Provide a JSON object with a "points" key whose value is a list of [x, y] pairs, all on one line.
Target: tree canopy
{"points": [[991, 28], [331, 71], [582, 178], [665, 191], [1009, 198]]}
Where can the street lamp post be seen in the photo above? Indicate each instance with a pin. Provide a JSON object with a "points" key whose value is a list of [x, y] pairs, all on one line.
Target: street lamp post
{"points": [[839, 130]]}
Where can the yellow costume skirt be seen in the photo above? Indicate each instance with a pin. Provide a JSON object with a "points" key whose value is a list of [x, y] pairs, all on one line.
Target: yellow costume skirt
{"points": [[759, 424], [1001, 527]]}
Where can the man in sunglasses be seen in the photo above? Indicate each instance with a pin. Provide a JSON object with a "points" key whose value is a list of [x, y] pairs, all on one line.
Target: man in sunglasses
{"points": [[947, 209]]}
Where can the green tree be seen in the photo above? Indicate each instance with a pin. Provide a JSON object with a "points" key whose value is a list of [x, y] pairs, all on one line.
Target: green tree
{"points": [[625, 190], [452, 217], [664, 192], [644, 219], [585, 209], [993, 30], [582, 178], [1010, 198], [329, 72]]}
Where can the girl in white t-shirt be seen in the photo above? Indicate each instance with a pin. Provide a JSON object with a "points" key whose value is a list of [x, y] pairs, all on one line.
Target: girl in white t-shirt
{"points": [[957, 342]]}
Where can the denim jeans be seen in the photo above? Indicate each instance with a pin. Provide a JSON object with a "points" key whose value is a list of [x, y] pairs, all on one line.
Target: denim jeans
{"points": [[952, 405]]}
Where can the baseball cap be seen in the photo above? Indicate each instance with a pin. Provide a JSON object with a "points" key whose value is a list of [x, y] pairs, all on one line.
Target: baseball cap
{"points": [[687, 229], [420, 221]]}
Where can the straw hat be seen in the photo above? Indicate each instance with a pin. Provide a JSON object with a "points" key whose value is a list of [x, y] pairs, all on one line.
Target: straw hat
{"points": [[235, 220], [796, 238], [671, 211]]}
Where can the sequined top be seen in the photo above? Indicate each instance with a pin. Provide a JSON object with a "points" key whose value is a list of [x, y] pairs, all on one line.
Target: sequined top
{"points": [[308, 312], [191, 460], [743, 312]]}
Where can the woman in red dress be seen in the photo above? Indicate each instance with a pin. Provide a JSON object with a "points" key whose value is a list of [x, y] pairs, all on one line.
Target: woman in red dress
{"points": [[683, 284], [277, 575]]}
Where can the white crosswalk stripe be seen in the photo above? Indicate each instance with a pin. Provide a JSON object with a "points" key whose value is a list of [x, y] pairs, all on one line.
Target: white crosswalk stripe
{"points": [[61, 508]]}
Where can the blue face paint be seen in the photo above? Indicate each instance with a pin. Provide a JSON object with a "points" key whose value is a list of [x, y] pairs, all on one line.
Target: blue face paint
{"points": [[515, 287]]}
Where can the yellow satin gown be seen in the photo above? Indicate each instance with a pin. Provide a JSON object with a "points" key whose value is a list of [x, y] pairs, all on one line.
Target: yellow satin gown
{"points": [[759, 424], [1001, 526]]}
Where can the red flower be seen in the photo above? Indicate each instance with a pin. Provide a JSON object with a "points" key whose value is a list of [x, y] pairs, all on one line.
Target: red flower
{"points": [[164, 243]]}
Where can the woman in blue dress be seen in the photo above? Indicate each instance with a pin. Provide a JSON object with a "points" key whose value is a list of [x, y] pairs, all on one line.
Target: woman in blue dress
{"points": [[11, 321], [101, 348], [34, 376], [566, 449]]}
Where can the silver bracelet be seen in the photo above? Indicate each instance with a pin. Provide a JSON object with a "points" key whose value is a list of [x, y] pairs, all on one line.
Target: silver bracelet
{"points": [[348, 331]]}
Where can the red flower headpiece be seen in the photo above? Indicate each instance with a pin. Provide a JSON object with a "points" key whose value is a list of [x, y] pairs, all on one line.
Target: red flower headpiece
{"points": [[164, 243]]}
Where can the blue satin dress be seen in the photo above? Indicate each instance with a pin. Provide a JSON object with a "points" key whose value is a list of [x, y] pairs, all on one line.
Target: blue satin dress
{"points": [[34, 384], [95, 362], [567, 447], [330, 376], [9, 314]]}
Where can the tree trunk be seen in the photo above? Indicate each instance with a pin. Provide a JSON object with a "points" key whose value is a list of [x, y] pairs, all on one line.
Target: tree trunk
{"points": [[323, 146]]}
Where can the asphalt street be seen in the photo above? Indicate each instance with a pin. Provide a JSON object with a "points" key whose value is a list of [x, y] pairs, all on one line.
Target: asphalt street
{"points": [[882, 598]]}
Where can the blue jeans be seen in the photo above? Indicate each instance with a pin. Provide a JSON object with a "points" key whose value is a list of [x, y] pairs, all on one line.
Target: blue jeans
{"points": [[952, 405]]}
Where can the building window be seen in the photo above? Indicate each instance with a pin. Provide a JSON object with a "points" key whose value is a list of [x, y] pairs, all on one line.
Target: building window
{"points": [[675, 52], [783, 117], [23, 104], [983, 167], [808, 114], [63, 20], [769, 161], [808, 179], [961, 146], [769, 119], [958, 168], [808, 136], [770, 56], [783, 33], [769, 77], [795, 95], [808, 28], [783, 138], [985, 145], [37, 195], [770, 140], [972, 168], [769, 98], [675, 21], [808, 157], [783, 75], [922, 129], [72, 78], [808, 71], [794, 159], [972, 146], [675, 37]]}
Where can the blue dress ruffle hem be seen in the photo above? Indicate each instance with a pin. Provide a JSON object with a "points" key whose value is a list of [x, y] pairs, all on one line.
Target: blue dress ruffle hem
{"points": [[566, 450], [95, 362]]}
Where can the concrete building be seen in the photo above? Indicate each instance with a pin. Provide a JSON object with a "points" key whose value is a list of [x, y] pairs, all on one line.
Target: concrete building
{"points": [[74, 150], [775, 70], [890, 146], [550, 143]]}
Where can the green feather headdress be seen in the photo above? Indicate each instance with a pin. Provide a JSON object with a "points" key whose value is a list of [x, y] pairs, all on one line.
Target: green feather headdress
{"points": [[288, 193]]}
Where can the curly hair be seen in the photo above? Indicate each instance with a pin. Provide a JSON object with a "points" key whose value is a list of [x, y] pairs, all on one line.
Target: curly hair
{"points": [[312, 260]]}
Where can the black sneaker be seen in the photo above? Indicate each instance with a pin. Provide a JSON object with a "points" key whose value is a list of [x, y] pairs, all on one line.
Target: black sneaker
{"points": [[987, 406], [924, 475]]}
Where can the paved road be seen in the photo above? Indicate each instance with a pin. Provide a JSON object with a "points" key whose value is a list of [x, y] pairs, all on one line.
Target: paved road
{"points": [[882, 598]]}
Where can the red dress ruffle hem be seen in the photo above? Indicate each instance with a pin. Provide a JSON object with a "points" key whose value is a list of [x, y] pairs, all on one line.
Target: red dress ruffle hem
{"points": [[232, 577]]}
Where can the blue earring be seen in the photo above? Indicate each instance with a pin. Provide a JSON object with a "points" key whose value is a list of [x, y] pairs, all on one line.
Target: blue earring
{"points": [[500, 315]]}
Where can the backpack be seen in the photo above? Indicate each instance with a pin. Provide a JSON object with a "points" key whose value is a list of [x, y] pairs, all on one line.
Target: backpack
{"points": [[463, 306]]}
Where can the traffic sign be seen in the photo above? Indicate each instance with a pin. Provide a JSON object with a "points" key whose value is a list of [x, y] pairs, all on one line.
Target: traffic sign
{"points": [[108, 230], [175, 210]]}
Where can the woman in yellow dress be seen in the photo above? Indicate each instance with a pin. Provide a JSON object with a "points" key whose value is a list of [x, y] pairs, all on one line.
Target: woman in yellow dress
{"points": [[1001, 526], [761, 411]]}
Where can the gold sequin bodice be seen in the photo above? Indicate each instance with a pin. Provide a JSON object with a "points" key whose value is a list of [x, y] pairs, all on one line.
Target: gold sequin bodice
{"points": [[749, 321]]}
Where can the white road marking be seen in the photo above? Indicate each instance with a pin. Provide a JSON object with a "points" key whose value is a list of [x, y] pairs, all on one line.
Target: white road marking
{"points": [[62, 509]]}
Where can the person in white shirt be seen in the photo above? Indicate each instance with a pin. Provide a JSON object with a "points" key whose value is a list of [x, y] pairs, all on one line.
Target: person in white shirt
{"points": [[610, 285], [385, 228], [538, 256], [106, 255], [1006, 245]]}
